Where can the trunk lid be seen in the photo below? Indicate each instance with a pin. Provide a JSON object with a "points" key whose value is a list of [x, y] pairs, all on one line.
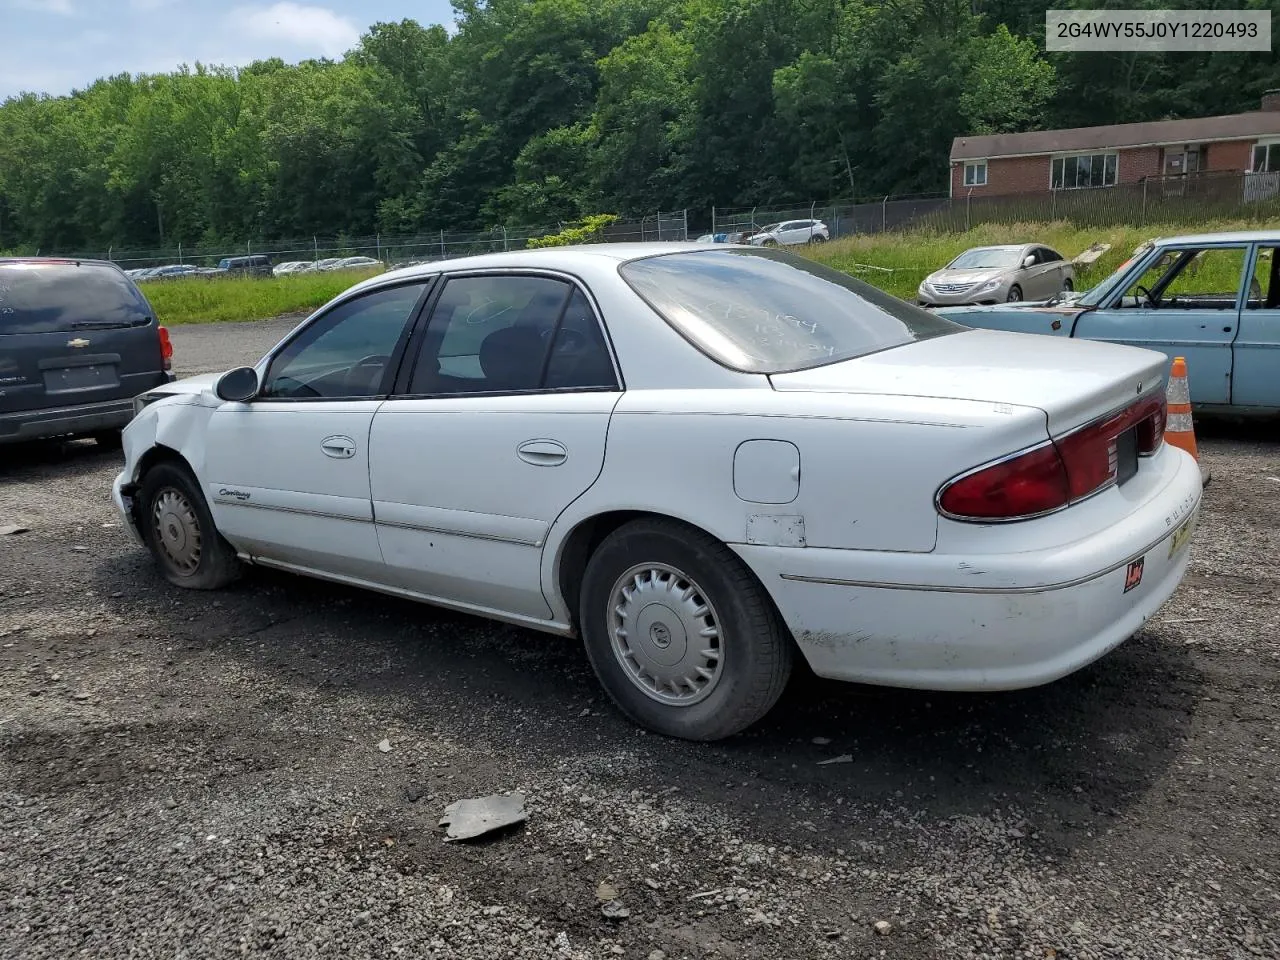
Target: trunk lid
{"points": [[1072, 381], [73, 332]]}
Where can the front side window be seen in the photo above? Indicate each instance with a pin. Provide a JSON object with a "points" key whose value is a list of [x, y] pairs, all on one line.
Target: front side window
{"points": [[345, 353], [764, 311], [1084, 170], [1189, 279], [975, 174], [512, 334]]}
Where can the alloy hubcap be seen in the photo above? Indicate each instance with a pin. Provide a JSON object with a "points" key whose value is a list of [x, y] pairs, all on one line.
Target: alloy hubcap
{"points": [[177, 530], [665, 634]]}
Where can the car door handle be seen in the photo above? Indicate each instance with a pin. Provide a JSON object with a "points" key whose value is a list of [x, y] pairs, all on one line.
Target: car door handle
{"points": [[542, 453], [340, 448]]}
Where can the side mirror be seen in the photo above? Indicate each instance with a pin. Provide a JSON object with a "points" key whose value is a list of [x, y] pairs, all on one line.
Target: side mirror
{"points": [[238, 385], [1028, 261]]}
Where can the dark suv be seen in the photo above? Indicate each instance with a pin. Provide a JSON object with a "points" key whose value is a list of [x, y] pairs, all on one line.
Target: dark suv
{"points": [[256, 265], [78, 341]]}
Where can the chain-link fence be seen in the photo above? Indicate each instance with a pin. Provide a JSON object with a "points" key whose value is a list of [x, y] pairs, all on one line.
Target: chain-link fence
{"points": [[390, 250], [1173, 200], [1186, 199]]}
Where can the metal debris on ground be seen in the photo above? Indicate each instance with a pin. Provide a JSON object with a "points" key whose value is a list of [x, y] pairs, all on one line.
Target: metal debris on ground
{"points": [[11, 529], [1090, 254], [614, 910], [467, 819], [843, 758]]}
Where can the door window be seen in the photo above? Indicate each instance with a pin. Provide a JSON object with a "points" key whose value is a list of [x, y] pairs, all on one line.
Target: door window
{"points": [[1205, 279], [1264, 286], [347, 351], [511, 334]]}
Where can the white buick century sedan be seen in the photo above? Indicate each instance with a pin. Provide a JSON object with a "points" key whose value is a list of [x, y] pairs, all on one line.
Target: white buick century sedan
{"points": [[703, 461]]}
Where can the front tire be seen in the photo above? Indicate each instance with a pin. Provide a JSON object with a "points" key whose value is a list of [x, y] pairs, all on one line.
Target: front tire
{"points": [[1067, 285], [178, 528], [1015, 294], [680, 633]]}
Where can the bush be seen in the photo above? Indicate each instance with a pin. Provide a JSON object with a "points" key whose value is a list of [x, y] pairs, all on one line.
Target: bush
{"points": [[586, 230]]}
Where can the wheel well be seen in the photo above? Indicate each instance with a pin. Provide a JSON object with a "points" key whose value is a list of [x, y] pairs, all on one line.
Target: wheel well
{"points": [[582, 543], [156, 455]]}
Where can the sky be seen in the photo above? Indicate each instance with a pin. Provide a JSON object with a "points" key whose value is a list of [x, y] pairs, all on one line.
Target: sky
{"points": [[55, 46]]}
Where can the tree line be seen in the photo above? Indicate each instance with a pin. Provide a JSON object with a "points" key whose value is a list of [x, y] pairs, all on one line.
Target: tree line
{"points": [[538, 111]]}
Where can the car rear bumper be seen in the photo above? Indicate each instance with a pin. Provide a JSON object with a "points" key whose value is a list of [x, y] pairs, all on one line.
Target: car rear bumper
{"points": [[63, 421], [983, 622]]}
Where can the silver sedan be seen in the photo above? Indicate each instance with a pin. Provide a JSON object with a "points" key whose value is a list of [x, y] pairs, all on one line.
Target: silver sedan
{"points": [[1000, 274]]}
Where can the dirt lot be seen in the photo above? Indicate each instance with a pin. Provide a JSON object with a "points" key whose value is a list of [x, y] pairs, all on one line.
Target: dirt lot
{"points": [[194, 776]]}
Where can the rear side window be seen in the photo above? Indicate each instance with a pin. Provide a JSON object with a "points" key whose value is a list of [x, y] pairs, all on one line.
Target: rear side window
{"points": [[61, 297], [765, 311]]}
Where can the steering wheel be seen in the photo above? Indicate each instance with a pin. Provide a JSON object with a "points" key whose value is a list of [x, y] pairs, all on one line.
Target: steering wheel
{"points": [[349, 382], [1146, 295]]}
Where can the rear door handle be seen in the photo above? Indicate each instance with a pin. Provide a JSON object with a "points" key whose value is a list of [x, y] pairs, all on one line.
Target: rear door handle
{"points": [[340, 448], [543, 453]]}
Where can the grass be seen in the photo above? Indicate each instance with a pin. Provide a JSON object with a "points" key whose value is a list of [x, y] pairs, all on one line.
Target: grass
{"points": [[898, 262], [207, 300]]}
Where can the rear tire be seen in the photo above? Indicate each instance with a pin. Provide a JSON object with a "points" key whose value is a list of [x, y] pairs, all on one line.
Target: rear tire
{"points": [[680, 633], [179, 530]]}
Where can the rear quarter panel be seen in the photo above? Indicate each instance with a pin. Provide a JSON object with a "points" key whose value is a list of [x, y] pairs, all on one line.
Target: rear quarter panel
{"points": [[869, 465]]}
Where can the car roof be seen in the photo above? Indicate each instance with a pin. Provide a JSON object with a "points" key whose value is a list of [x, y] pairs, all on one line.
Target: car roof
{"points": [[564, 258], [1231, 236], [75, 260]]}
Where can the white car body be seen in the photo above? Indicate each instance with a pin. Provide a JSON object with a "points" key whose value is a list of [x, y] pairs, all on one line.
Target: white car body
{"points": [[823, 481], [790, 233]]}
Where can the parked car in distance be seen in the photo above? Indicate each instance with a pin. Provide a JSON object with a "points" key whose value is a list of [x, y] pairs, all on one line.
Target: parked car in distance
{"points": [[790, 233], [357, 263], [1213, 299], [257, 265], [78, 341], [1007, 273], [288, 267], [895, 497]]}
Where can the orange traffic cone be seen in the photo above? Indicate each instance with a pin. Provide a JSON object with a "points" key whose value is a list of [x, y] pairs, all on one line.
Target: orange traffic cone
{"points": [[1179, 428]]}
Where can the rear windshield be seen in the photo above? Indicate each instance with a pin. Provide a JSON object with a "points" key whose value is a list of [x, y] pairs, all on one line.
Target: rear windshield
{"points": [[765, 311], [61, 297]]}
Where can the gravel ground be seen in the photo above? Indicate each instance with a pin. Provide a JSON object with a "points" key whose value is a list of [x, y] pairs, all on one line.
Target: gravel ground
{"points": [[199, 775]]}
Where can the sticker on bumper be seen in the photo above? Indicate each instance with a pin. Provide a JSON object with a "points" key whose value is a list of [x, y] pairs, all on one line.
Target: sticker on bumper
{"points": [[1182, 536], [1133, 576]]}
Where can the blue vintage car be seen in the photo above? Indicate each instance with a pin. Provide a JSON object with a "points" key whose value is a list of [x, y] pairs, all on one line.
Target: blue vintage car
{"points": [[1212, 298]]}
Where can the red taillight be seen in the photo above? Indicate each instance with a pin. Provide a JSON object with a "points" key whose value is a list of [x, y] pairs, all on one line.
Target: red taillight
{"points": [[1050, 477], [1024, 486], [166, 347]]}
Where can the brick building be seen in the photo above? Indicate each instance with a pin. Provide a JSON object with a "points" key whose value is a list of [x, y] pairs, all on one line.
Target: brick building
{"points": [[1045, 160]]}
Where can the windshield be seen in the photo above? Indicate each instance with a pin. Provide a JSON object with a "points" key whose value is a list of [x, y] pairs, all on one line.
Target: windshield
{"points": [[986, 258], [764, 311], [1095, 296], [50, 297]]}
